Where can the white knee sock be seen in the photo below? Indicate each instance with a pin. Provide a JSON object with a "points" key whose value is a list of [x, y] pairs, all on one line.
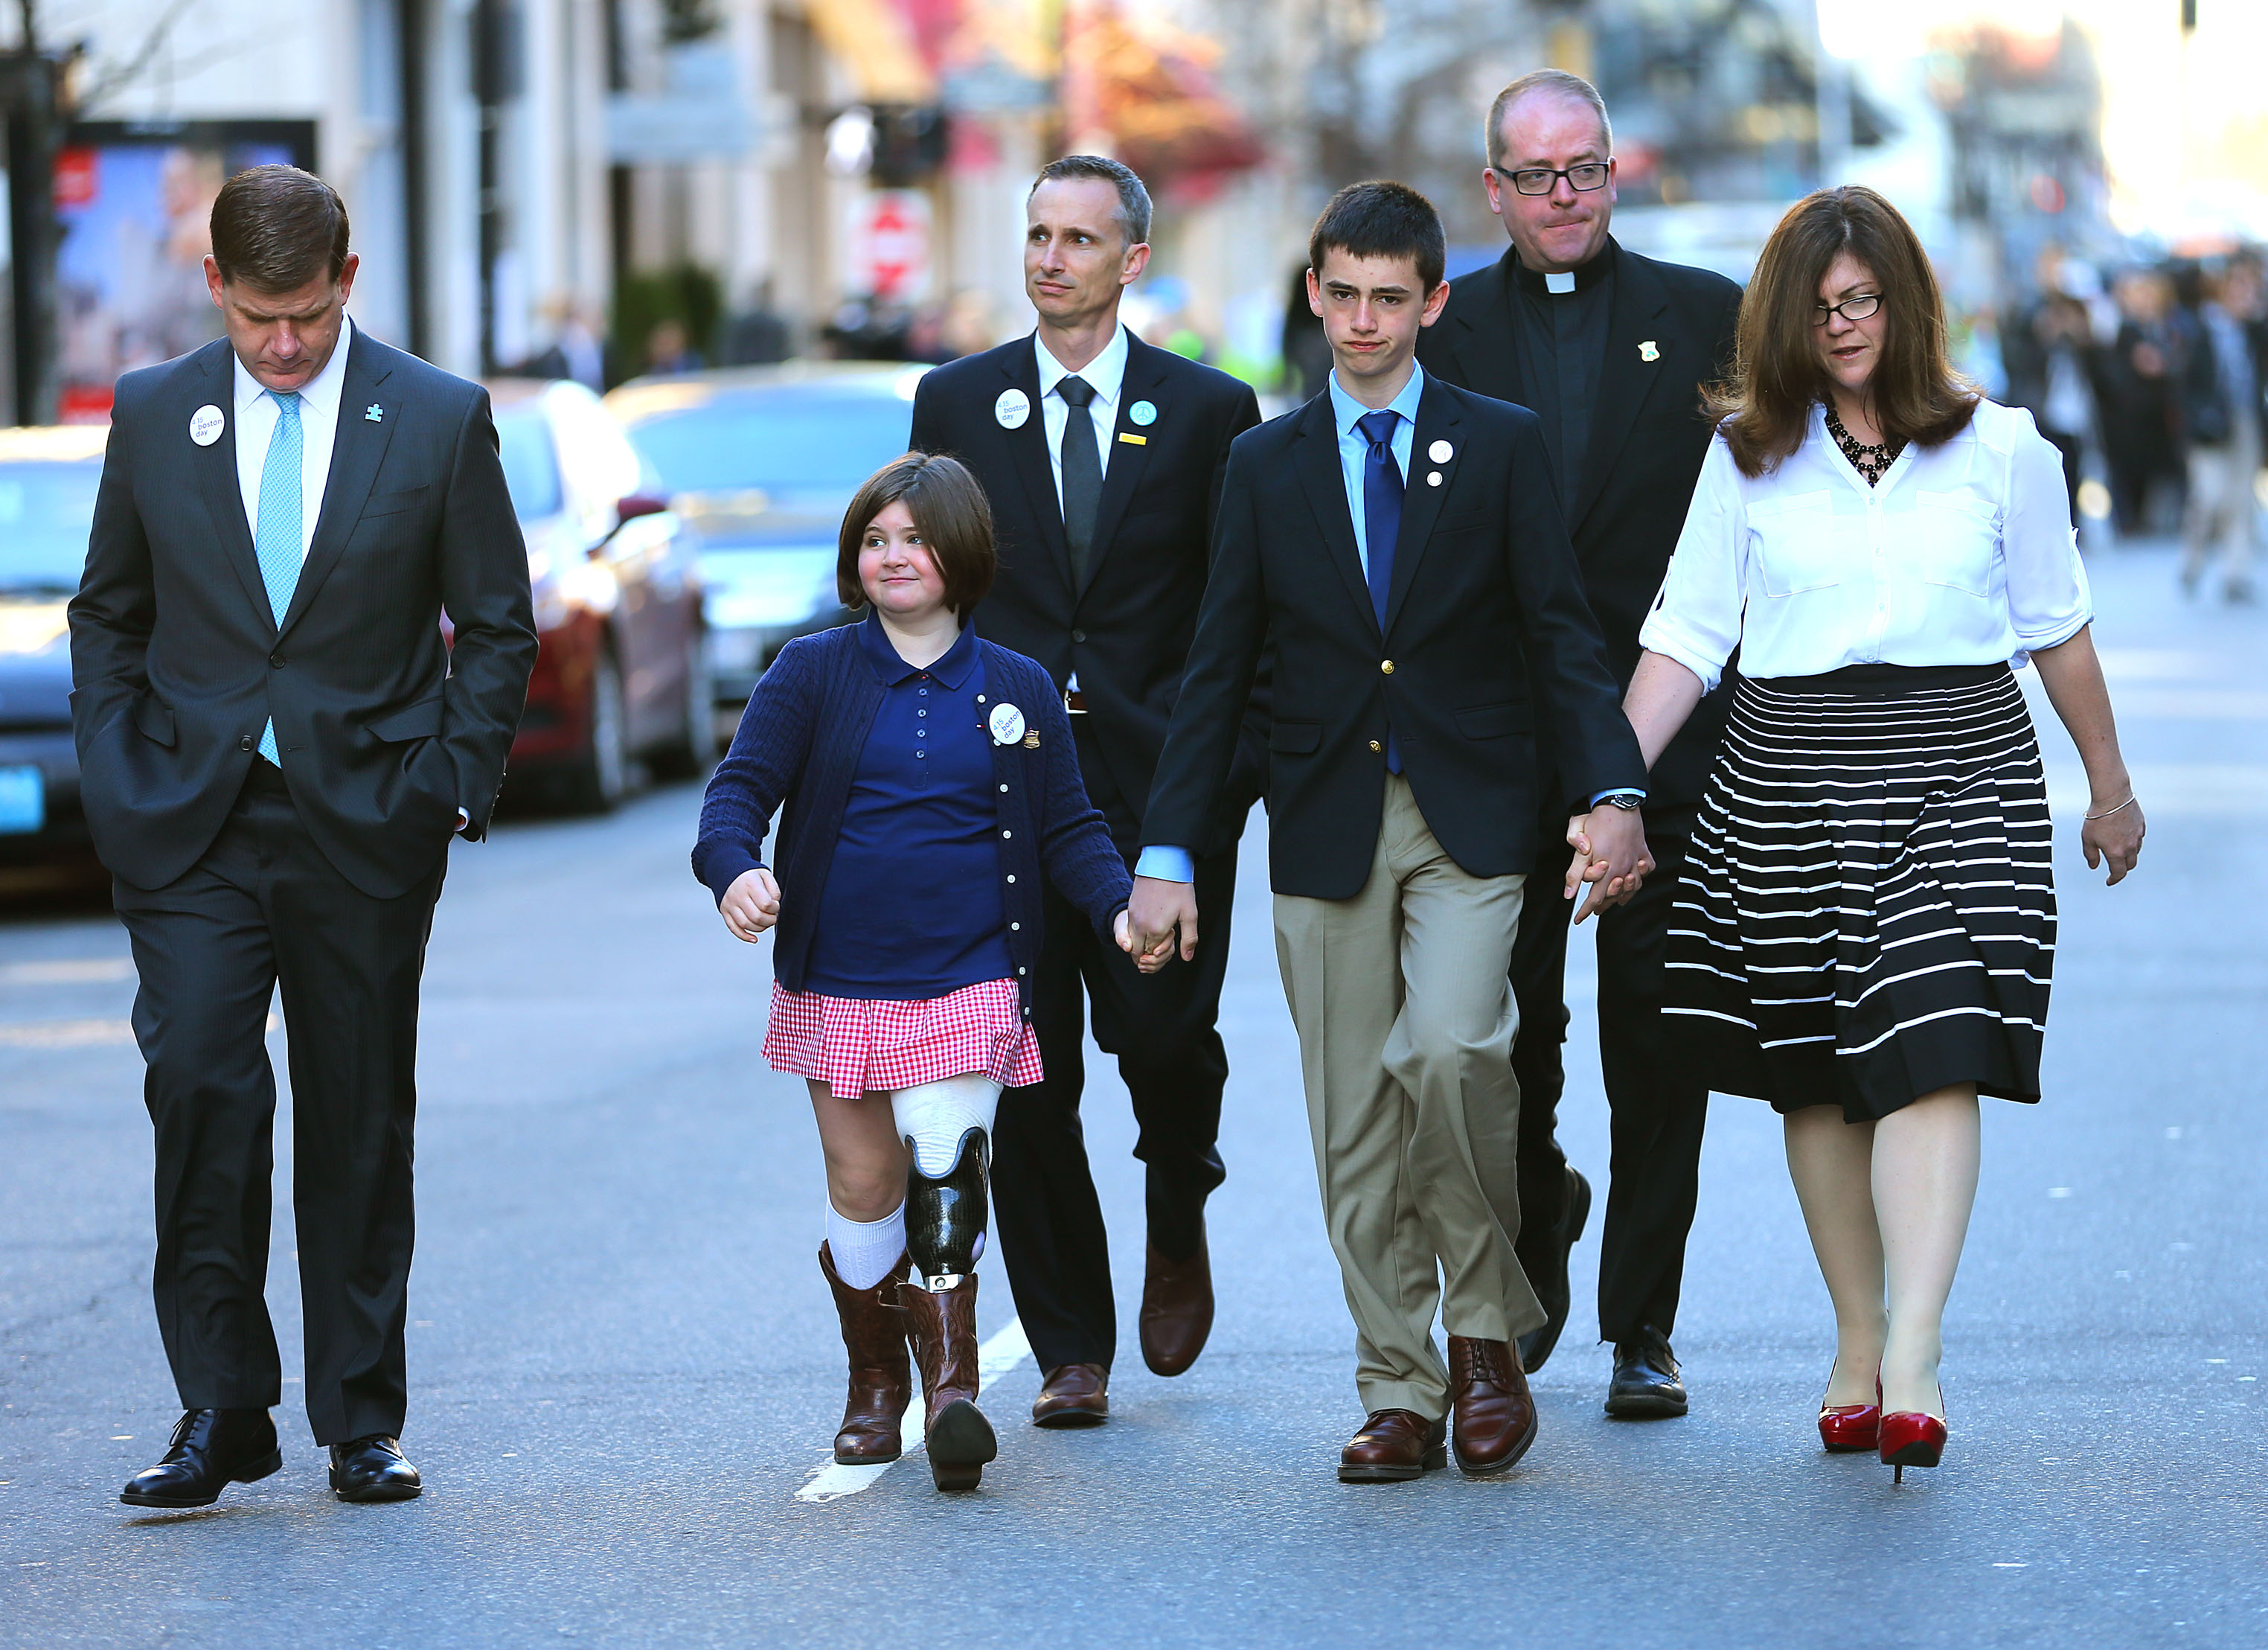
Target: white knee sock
{"points": [[935, 1115], [866, 1251]]}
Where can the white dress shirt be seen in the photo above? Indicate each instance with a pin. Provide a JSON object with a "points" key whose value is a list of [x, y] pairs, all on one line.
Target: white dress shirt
{"points": [[256, 413], [1105, 375], [1963, 555]]}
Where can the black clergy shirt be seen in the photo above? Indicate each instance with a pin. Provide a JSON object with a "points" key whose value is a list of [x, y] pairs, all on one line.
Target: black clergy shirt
{"points": [[1563, 353]]}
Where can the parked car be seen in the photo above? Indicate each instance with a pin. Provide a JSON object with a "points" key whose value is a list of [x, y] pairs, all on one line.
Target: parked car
{"points": [[47, 482], [622, 674], [761, 462]]}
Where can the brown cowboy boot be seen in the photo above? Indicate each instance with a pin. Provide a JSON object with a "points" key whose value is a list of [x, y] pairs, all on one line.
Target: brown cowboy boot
{"points": [[942, 1326], [881, 1378]]}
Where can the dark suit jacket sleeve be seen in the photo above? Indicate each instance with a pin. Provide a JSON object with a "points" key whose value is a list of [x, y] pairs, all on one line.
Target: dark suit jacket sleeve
{"points": [[112, 615], [1217, 682], [1567, 656], [928, 433], [484, 591]]}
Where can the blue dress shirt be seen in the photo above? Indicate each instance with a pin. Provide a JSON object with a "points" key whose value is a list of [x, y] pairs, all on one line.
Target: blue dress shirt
{"points": [[912, 906]]}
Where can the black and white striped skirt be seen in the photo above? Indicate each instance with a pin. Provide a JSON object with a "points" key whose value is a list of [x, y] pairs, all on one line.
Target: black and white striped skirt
{"points": [[1867, 913]]}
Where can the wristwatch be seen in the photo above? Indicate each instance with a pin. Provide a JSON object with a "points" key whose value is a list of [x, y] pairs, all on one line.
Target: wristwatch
{"points": [[1624, 801]]}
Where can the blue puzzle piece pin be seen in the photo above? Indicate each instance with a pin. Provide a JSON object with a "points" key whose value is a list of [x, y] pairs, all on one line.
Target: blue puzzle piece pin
{"points": [[375, 412]]}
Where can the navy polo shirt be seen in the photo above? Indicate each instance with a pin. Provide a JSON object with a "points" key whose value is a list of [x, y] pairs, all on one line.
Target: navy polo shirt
{"points": [[912, 907]]}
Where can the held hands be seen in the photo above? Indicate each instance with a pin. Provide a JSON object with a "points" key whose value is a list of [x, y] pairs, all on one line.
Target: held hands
{"points": [[1609, 844], [1157, 910], [751, 905], [1148, 961], [2113, 836]]}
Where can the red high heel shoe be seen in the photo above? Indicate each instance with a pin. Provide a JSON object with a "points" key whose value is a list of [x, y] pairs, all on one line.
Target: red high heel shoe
{"points": [[1911, 1440], [1846, 1428]]}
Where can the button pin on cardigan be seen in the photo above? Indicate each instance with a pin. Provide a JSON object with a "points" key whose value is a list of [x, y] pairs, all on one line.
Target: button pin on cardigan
{"points": [[1006, 722]]}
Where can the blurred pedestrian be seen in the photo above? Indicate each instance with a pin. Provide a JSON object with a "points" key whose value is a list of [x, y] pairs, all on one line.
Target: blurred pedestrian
{"points": [[668, 351], [1610, 349], [1102, 455], [276, 748], [2043, 351], [931, 794], [1866, 924], [1419, 634], [2135, 396], [575, 352], [2221, 412]]}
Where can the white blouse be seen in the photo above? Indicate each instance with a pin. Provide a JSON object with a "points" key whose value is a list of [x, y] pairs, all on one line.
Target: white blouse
{"points": [[1963, 555]]}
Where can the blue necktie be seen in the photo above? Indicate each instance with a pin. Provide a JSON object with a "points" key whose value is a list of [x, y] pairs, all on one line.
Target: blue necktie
{"points": [[1381, 523], [275, 538]]}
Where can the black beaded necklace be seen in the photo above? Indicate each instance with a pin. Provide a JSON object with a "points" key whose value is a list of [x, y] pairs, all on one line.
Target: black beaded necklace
{"points": [[1872, 463]]}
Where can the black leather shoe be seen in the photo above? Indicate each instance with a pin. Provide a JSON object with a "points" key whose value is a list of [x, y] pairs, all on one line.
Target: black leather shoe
{"points": [[1646, 1387], [373, 1469], [1551, 1286], [211, 1450]]}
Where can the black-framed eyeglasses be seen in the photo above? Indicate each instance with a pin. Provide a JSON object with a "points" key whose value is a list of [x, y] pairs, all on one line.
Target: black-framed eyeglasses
{"points": [[1591, 175], [1859, 308]]}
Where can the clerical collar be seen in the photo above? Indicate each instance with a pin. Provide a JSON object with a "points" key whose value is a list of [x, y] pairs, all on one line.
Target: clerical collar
{"points": [[1575, 280]]}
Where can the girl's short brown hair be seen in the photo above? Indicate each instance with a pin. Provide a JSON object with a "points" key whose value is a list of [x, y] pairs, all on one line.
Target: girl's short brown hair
{"points": [[948, 506], [1765, 406]]}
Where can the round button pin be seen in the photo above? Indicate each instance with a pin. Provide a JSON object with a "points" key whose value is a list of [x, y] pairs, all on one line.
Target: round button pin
{"points": [[1011, 410], [1142, 413], [1440, 453], [205, 424]]}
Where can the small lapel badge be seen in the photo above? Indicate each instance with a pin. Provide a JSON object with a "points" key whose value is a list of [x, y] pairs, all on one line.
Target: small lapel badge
{"points": [[1433, 478], [375, 412], [1032, 739], [1014, 407], [1133, 441], [1144, 412], [205, 424], [1006, 722], [1649, 351], [1440, 453]]}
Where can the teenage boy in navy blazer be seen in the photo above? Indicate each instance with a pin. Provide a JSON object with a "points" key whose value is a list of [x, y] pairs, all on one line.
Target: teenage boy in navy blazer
{"points": [[1103, 458], [1610, 350], [1397, 542]]}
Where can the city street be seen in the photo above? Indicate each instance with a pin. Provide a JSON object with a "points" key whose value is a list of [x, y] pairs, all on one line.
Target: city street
{"points": [[625, 1377]]}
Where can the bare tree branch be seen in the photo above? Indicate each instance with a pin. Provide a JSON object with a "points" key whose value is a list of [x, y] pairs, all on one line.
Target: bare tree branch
{"points": [[124, 75]]}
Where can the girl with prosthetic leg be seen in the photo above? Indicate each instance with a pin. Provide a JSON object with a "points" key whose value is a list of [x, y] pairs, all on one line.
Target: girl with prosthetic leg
{"points": [[928, 786]]}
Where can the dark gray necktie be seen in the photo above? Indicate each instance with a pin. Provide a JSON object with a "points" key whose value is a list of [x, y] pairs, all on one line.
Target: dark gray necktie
{"points": [[1082, 473]]}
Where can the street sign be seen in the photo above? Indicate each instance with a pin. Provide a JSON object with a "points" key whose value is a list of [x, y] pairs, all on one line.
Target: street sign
{"points": [[890, 245]]}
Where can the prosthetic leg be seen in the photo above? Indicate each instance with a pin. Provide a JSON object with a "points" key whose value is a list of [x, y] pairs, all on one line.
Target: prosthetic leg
{"points": [[948, 1121]]}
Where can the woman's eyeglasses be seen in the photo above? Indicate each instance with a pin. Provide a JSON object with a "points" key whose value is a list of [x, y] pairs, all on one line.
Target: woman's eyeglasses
{"points": [[1590, 175], [1857, 308]]}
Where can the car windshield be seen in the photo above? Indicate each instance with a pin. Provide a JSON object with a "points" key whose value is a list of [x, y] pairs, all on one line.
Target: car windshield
{"points": [[45, 511], [531, 464], [781, 441]]}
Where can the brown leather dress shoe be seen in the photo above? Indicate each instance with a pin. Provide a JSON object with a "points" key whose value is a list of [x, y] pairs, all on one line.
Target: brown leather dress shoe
{"points": [[1073, 1394], [1488, 1396], [1176, 1310], [881, 1375], [1392, 1447]]}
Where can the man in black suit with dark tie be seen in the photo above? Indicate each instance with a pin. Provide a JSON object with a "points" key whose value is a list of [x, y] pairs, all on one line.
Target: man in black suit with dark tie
{"points": [[275, 746], [1610, 350], [1103, 458]]}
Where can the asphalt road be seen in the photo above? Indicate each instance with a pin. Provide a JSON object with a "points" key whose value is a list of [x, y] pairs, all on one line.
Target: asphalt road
{"points": [[624, 1368]]}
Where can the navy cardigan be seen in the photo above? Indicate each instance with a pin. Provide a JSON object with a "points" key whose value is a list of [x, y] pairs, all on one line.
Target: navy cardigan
{"points": [[800, 741]]}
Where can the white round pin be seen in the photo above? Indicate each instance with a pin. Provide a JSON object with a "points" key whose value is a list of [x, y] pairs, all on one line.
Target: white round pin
{"points": [[1143, 413], [205, 424], [1433, 478], [1012, 409], [1440, 453], [1006, 722]]}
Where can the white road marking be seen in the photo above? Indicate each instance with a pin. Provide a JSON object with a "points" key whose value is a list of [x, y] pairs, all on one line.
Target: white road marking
{"points": [[998, 1356]]}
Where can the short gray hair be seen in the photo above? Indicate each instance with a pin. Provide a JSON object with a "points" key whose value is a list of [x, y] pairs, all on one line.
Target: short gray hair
{"points": [[1133, 199], [1553, 80]]}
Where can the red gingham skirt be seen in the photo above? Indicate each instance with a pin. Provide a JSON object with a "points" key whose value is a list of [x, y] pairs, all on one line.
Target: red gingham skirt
{"points": [[857, 1047]]}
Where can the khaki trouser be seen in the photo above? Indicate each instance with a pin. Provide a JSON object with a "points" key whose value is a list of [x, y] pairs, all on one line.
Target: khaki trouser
{"points": [[1405, 1016], [2218, 525]]}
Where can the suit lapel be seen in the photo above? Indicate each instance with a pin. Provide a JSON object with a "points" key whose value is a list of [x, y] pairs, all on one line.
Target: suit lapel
{"points": [[1438, 416], [1028, 446], [1487, 353], [1322, 482], [1144, 380], [216, 478], [356, 450], [1629, 381]]}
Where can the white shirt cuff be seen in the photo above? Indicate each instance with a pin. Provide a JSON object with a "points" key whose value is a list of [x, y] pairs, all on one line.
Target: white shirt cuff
{"points": [[1167, 864]]}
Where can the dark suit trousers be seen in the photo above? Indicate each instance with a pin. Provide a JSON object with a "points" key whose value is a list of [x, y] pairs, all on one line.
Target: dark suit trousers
{"points": [[1656, 1111], [265, 907], [1160, 1027]]}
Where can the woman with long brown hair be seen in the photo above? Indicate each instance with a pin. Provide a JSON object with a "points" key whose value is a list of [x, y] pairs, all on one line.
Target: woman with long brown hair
{"points": [[1867, 923]]}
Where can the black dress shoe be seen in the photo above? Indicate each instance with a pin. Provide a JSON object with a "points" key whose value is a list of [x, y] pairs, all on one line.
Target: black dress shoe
{"points": [[1551, 1287], [1646, 1387], [373, 1469], [211, 1450]]}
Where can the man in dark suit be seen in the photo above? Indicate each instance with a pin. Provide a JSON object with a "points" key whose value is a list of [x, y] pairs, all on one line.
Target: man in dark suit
{"points": [[1103, 458], [275, 746], [1610, 350], [1397, 542]]}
